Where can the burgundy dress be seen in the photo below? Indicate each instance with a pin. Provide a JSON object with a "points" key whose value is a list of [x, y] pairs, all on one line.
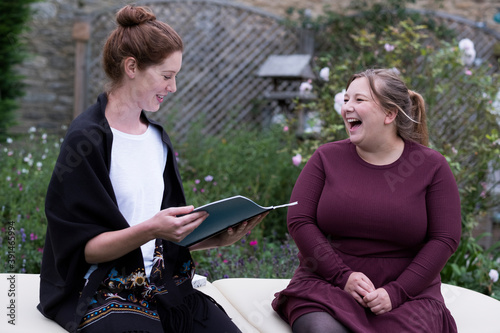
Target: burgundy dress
{"points": [[398, 224]]}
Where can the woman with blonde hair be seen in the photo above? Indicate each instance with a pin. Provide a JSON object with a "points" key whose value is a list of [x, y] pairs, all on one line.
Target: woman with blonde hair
{"points": [[379, 216]]}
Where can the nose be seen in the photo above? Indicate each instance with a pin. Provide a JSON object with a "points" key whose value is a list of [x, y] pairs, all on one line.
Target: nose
{"points": [[172, 86], [347, 108]]}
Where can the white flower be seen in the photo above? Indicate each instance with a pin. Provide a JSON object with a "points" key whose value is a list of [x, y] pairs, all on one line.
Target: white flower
{"points": [[138, 279], [324, 73], [493, 275], [305, 86], [339, 100], [313, 122], [468, 51], [9, 140], [32, 129], [209, 178], [39, 165]]}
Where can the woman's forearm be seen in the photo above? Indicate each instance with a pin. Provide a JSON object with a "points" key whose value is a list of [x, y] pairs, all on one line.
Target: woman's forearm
{"points": [[115, 244]]}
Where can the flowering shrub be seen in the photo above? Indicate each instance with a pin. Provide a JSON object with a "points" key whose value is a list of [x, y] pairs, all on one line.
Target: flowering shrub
{"points": [[264, 258], [26, 164], [252, 163]]}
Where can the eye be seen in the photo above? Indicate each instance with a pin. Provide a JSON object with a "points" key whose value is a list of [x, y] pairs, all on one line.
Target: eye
{"points": [[169, 77]]}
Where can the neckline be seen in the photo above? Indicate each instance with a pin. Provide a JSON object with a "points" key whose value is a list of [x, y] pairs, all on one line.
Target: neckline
{"points": [[132, 136], [384, 166]]}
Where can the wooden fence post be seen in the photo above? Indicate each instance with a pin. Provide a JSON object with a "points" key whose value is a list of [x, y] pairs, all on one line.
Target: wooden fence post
{"points": [[81, 34]]}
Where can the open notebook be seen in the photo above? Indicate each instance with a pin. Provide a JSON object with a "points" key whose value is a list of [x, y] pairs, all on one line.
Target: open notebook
{"points": [[223, 214]]}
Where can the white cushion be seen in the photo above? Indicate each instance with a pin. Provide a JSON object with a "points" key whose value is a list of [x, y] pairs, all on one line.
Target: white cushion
{"points": [[246, 301], [473, 311], [25, 297], [231, 311], [252, 298]]}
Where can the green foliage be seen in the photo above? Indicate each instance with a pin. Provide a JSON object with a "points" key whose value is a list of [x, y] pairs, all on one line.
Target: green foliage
{"points": [[13, 18], [26, 164], [253, 163], [252, 257]]}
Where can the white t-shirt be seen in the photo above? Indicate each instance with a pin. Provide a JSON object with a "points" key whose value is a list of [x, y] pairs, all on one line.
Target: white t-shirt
{"points": [[136, 173]]}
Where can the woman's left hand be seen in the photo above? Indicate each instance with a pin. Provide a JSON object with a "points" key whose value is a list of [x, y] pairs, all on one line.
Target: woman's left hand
{"points": [[378, 301], [231, 235]]}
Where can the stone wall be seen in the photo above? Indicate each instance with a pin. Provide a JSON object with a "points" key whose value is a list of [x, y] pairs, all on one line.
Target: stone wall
{"points": [[49, 72]]}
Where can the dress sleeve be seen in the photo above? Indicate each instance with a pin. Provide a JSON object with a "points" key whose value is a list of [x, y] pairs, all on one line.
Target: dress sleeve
{"points": [[316, 252], [443, 236]]}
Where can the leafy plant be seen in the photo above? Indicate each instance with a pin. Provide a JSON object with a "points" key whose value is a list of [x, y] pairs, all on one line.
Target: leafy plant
{"points": [[256, 164], [26, 164], [13, 18]]}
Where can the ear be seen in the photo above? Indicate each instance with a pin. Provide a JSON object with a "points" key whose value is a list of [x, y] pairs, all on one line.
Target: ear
{"points": [[130, 67], [390, 116]]}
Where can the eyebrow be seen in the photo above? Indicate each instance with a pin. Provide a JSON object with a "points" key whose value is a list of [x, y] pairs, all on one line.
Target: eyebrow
{"points": [[358, 94]]}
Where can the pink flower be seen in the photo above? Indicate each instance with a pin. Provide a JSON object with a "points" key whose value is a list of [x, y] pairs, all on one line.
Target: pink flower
{"points": [[33, 236], [297, 159], [209, 178], [253, 243], [197, 181], [388, 47], [225, 261], [194, 189], [202, 190], [285, 129], [468, 72]]}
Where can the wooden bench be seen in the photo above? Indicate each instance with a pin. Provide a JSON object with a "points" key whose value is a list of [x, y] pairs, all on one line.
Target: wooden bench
{"points": [[247, 302]]}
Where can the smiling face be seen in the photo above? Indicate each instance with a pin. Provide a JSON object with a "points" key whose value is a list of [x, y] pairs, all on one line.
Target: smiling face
{"points": [[153, 84], [366, 122]]}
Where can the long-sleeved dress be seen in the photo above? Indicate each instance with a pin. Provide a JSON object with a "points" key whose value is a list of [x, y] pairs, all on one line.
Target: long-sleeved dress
{"points": [[398, 224]]}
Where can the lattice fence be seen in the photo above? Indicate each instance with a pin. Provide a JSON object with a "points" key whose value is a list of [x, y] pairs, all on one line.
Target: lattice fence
{"points": [[224, 46], [484, 39]]}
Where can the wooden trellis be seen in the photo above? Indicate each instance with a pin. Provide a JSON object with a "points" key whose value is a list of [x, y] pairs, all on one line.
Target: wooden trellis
{"points": [[224, 46]]}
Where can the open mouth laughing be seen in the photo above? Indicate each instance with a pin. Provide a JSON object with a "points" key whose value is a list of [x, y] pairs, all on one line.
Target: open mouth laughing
{"points": [[354, 123]]}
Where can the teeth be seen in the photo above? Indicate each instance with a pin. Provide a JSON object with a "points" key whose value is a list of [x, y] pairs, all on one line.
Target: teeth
{"points": [[350, 120]]}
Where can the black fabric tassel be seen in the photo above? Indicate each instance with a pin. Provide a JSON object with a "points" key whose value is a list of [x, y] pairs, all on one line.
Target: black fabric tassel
{"points": [[179, 318]]}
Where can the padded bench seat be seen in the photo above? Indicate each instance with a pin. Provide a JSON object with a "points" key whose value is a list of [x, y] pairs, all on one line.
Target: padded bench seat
{"points": [[247, 302]]}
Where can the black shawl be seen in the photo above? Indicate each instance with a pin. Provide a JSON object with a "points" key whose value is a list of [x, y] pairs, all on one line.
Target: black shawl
{"points": [[80, 204]]}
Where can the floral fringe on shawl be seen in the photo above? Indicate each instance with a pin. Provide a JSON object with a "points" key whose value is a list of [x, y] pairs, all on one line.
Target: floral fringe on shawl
{"points": [[169, 300]]}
